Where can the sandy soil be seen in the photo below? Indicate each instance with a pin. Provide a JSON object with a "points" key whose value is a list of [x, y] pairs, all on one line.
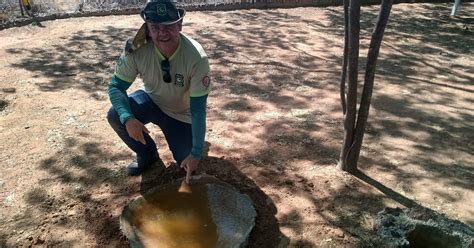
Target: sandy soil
{"points": [[274, 125]]}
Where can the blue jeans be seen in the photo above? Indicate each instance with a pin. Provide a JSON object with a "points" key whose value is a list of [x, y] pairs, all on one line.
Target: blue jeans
{"points": [[178, 134]]}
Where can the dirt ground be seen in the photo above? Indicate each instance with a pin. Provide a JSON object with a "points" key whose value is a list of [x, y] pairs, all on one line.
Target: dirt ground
{"points": [[274, 125]]}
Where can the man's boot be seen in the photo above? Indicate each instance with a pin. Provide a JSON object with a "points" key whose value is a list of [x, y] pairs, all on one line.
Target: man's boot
{"points": [[137, 168]]}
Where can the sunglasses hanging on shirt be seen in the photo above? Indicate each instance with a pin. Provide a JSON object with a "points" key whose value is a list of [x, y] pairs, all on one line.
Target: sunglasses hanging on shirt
{"points": [[165, 67]]}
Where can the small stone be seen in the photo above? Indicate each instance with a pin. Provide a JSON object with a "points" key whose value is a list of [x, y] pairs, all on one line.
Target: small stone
{"points": [[39, 241], [339, 234]]}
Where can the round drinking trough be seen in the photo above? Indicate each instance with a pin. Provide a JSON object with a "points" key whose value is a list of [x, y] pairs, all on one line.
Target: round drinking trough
{"points": [[205, 213]]}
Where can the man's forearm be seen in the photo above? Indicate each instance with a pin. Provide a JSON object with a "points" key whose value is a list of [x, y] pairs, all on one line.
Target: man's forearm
{"points": [[119, 99]]}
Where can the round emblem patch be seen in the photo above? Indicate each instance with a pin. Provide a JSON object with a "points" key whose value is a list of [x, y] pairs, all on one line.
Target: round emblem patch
{"points": [[206, 81]]}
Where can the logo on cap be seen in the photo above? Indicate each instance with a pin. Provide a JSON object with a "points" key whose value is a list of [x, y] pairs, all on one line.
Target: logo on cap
{"points": [[161, 9]]}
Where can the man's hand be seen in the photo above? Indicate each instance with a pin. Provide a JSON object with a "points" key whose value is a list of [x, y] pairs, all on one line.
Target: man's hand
{"points": [[135, 130], [189, 164]]}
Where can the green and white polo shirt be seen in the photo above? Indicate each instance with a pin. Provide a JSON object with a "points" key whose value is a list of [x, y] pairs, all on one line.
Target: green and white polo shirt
{"points": [[189, 67]]}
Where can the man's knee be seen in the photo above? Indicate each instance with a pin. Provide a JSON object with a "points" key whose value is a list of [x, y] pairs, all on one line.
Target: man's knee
{"points": [[113, 118]]}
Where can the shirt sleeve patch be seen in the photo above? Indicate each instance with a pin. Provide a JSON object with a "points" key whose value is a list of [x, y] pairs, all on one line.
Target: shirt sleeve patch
{"points": [[206, 81]]}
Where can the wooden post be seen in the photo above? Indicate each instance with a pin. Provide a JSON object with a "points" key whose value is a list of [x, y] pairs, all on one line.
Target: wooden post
{"points": [[21, 8], [454, 12]]}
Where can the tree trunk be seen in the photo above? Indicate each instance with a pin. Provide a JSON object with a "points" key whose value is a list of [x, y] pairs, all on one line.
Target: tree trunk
{"points": [[354, 131], [344, 60], [364, 107], [353, 54]]}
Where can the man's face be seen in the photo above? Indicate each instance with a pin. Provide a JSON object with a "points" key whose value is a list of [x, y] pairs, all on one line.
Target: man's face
{"points": [[164, 34]]}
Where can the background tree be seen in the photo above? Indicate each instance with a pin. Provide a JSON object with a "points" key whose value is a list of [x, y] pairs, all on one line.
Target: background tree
{"points": [[355, 121]]}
